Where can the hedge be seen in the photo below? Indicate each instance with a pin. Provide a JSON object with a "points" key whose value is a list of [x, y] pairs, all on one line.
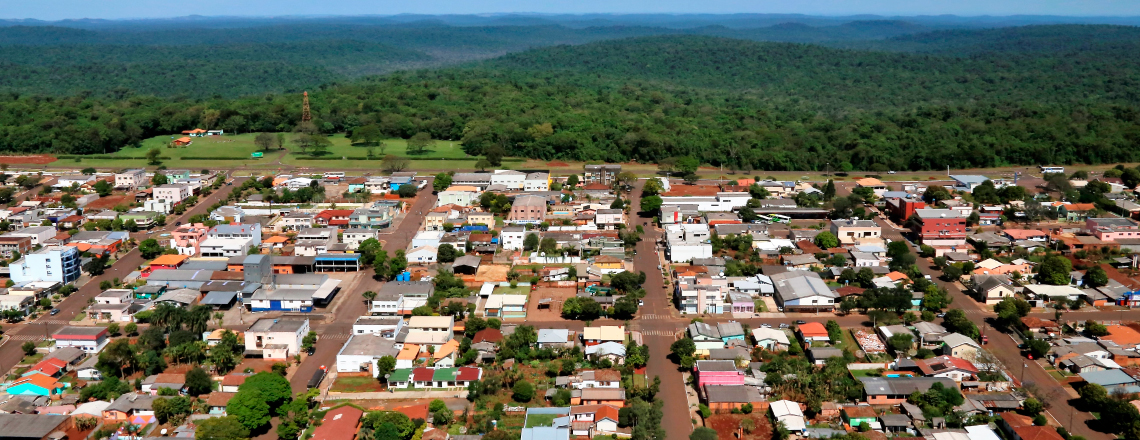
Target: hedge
{"points": [[400, 157]]}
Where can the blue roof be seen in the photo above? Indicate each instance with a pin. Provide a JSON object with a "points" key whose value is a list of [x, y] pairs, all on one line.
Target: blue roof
{"points": [[1108, 378], [337, 257], [970, 178]]}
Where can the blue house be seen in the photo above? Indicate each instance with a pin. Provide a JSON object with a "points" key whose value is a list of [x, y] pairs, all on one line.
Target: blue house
{"points": [[292, 300], [36, 385], [730, 330]]}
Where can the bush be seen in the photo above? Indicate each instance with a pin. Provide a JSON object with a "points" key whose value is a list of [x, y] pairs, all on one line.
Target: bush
{"points": [[523, 392], [705, 411]]}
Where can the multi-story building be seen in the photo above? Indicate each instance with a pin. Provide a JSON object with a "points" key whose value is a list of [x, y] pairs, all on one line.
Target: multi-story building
{"points": [[940, 227], [276, 338], [52, 263], [230, 240], [462, 195], [38, 234], [295, 221], [173, 193], [1113, 228], [688, 241], [188, 238], [9, 245], [377, 216], [314, 241], [130, 179], [88, 339], [528, 210], [511, 179], [512, 237], [537, 182], [902, 208], [478, 180], [353, 237], [333, 217], [604, 174]]}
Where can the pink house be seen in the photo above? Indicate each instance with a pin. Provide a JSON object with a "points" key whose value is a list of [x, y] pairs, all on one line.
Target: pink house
{"points": [[718, 373], [187, 238], [1112, 228]]}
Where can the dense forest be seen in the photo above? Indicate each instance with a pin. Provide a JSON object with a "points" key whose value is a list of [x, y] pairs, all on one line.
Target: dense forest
{"points": [[1044, 98]]}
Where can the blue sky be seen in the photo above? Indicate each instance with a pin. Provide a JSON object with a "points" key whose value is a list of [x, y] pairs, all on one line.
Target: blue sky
{"points": [[112, 9]]}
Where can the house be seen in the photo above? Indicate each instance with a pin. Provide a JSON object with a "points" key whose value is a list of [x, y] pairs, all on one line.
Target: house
{"points": [[231, 382], [173, 193], [803, 291], [528, 210], [388, 297], [820, 355], [130, 408], [706, 337], [510, 179], [547, 337], [153, 383], [536, 182], [505, 306], [602, 334], [1114, 381], [957, 345], [856, 232], [1113, 228], [462, 195], [790, 414], [361, 352], [895, 390], [341, 423], [717, 373], [724, 398], [423, 377], [601, 396], [35, 426], [856, 415], [613, 351], [1026, 234], [353, 237], [593, 420], [35, 385], [954, 368], [89, 339], [596, 379], [230, 240], [771, 339], [314, 241], [940, 227], [813, 331], [276, 338], [992, 289], [9, 246]]}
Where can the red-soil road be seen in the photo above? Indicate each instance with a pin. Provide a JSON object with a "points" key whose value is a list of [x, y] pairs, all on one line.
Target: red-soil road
{"points": [[72, 306]]}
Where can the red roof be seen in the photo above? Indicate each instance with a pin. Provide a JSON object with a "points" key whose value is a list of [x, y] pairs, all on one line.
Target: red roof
{"points": [[49, 367], [422, 374], [468, 374], [850, 290], [1024, 234], [808, 247], [339, 424], [1038, 433], [936, 365], [813, 329], [488, 335], [1015, 420], [595, 187], [330, 213], [234, 380]]}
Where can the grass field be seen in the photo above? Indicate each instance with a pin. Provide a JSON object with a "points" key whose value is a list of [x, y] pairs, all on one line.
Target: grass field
{"points": [[534, 420]]}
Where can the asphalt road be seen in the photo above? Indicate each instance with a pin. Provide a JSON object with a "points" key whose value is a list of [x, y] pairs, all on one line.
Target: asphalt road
{"points": [[42, 328], [350, 304]]}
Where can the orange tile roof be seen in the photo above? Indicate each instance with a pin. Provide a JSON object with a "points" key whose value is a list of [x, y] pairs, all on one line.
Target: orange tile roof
{"points": [[276, 239], [409, 352], [170, 260], [813, 329], [1078, 207], [447, 349], [40, 380], [896, 275], [219, 398], [414, 411], [1022, 234], [1122, 335]]}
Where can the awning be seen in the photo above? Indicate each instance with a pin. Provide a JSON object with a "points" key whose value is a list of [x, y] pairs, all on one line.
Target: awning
{"points": [[326, 290]]}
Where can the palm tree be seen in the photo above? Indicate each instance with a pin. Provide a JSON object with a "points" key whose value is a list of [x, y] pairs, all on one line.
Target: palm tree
{"points": [[368, 296]]}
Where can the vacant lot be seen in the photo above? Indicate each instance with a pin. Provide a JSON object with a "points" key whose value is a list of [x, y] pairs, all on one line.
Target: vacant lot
{"points": [[110, 202], [557, 296], [356, 384], [726, 425], [38, 159]]}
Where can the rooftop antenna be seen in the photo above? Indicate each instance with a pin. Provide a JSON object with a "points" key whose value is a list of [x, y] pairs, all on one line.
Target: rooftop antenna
{"points": [[306, 115]]}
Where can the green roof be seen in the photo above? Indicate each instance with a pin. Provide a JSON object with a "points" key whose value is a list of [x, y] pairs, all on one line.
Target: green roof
{"points": [[445, 374], [401, 375]]}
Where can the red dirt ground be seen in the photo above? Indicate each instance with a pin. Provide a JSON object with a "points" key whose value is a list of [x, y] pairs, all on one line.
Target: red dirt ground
{"points": [[557, 164], [554, 313], [693, 190], [34, 160], [109, 202], [727, 424]]}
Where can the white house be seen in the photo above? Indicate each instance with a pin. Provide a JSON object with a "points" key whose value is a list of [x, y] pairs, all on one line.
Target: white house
{"points": [[130, 179], [508, 178], [361, 352], [276, 338], [512, 237], [89, 339], [423, 255], [537, 182], [803, 290], [353, 237]]}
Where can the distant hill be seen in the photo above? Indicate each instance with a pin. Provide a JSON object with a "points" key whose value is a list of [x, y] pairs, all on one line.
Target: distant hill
{"points": [[1041, 39]]}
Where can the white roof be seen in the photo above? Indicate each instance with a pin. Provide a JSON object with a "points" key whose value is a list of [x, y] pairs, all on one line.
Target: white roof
{"points": [[498, 301], [487, 289], [990, 263], [763, 334], [91, 408], [981, 432], [606, 348], [430, 321], [1049, 290], [782, 408]]}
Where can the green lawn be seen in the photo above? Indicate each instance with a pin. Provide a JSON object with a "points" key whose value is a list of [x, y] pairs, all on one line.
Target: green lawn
{"points": [[534, 420], [508, 290], [235, 146]]}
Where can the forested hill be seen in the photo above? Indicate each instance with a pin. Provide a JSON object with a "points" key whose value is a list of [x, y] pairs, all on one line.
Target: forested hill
{"points": [[770, 106], [1055, 40], [840, 79]]}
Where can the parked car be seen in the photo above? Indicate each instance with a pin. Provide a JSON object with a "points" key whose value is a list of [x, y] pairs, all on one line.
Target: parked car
{"points": [[765, 325], [54, 312], [800, 322], [783, 325]]}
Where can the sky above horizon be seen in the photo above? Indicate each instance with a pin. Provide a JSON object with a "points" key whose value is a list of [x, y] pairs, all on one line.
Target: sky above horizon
{"points": [[125, 9]]}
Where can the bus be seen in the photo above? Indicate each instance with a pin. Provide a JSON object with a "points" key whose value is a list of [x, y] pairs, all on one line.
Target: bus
{"points": [[777, 218], [1051, 170]]}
